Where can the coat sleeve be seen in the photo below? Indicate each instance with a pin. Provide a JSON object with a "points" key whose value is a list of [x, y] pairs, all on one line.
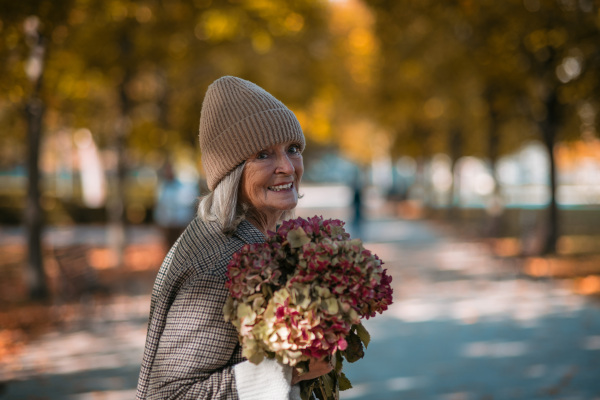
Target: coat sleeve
{"points": [[194, 358]]}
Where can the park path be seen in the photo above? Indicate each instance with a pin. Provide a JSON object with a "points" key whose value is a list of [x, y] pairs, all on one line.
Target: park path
{"points": [[464, 326]]}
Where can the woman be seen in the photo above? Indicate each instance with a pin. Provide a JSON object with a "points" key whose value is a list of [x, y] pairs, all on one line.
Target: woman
{"points": [[251, 148]]}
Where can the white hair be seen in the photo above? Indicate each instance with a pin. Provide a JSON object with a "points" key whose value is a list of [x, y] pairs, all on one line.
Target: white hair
{"points": [[223, 204]]}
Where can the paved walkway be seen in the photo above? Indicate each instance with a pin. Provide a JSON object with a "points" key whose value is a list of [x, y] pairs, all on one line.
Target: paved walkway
{"points": [[464, 326], [468, 326]]}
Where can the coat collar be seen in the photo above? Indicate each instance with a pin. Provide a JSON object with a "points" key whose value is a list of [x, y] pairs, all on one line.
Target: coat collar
{"points": [[248, 233]]}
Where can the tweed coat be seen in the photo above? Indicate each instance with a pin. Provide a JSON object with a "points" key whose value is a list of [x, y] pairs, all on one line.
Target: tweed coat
{"points": [[190, 349]]}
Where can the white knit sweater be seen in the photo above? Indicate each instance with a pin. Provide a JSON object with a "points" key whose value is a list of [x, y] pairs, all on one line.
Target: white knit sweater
{"points": [[268, 380]]}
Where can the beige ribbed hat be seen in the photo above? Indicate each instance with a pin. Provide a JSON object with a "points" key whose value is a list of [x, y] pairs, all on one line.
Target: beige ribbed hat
{"points": [[239, 119]]}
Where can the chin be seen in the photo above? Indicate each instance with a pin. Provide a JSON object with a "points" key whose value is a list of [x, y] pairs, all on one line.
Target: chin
{"points": [[289, 207]]}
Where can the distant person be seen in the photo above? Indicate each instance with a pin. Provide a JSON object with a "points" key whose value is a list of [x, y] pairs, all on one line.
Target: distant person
{"points": [[251, 146], [357, 205], [175, 204]]}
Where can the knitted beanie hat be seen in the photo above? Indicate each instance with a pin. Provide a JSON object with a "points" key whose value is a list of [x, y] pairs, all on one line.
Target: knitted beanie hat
{"points": [[239, 119]]}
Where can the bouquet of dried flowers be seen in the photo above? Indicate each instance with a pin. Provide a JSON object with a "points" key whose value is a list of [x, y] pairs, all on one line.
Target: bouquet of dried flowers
{"points": [[302, 295]]}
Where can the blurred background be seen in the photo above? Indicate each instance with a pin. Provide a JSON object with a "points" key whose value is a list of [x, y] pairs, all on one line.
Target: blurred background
{"points": [[428, 124]]}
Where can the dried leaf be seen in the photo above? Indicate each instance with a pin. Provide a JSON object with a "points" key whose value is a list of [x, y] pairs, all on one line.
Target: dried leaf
{"points": [[344, 382], [363, 334], [306, 389], [339, 362], [354, 351], [328, 384]]}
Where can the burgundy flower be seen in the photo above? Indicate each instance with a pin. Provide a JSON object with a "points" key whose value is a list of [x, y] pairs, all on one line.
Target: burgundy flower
{"points": [[303, 292]]}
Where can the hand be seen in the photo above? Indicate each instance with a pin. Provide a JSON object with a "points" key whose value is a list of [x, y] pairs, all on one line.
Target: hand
{"points": [[316, 368]]}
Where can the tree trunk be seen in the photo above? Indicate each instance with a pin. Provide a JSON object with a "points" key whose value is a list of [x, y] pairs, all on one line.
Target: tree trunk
{"points": [[548, 127], [117, 233], [34, 110], [456, 150], [423, 176], [495, 207], [36, 280]]}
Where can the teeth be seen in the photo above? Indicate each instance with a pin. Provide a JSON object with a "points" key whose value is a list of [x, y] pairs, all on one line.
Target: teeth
{"points": [[280, 187]]}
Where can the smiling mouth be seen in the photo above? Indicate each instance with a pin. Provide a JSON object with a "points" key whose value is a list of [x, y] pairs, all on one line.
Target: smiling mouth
{"points": [[279, 188]]}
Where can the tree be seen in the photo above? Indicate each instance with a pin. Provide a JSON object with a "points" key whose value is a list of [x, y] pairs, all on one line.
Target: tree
{"points": [[24, 29], [134, 72], [552, 48], [427, 92], [531, 61], [34, 109]]}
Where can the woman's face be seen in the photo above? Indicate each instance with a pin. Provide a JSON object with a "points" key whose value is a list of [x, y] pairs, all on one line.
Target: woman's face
{"points": [[271, 177]]}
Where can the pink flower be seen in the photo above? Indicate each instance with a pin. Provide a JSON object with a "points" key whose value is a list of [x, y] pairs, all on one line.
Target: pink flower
{"points": [[302, 291]]}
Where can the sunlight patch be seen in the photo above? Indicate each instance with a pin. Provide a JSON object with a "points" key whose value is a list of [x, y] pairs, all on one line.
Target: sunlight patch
{"points": [[494, 349], [591, 343], [356, 391], [402, 383]]}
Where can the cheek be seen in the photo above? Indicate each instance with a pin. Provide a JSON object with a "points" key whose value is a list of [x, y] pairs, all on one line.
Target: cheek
{"points": [[243, 190], [246, 185], [253, 182], [299, 168]]}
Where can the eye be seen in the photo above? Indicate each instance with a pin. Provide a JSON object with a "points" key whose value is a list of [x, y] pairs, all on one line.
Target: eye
{"points": [[294, 149], [261, 155]]}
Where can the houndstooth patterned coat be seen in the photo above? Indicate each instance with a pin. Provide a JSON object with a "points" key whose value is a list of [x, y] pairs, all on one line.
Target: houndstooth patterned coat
{"points": [[190, 349]]}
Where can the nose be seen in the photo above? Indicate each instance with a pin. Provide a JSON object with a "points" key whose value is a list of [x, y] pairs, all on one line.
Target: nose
{"points": [[284, 164]]}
